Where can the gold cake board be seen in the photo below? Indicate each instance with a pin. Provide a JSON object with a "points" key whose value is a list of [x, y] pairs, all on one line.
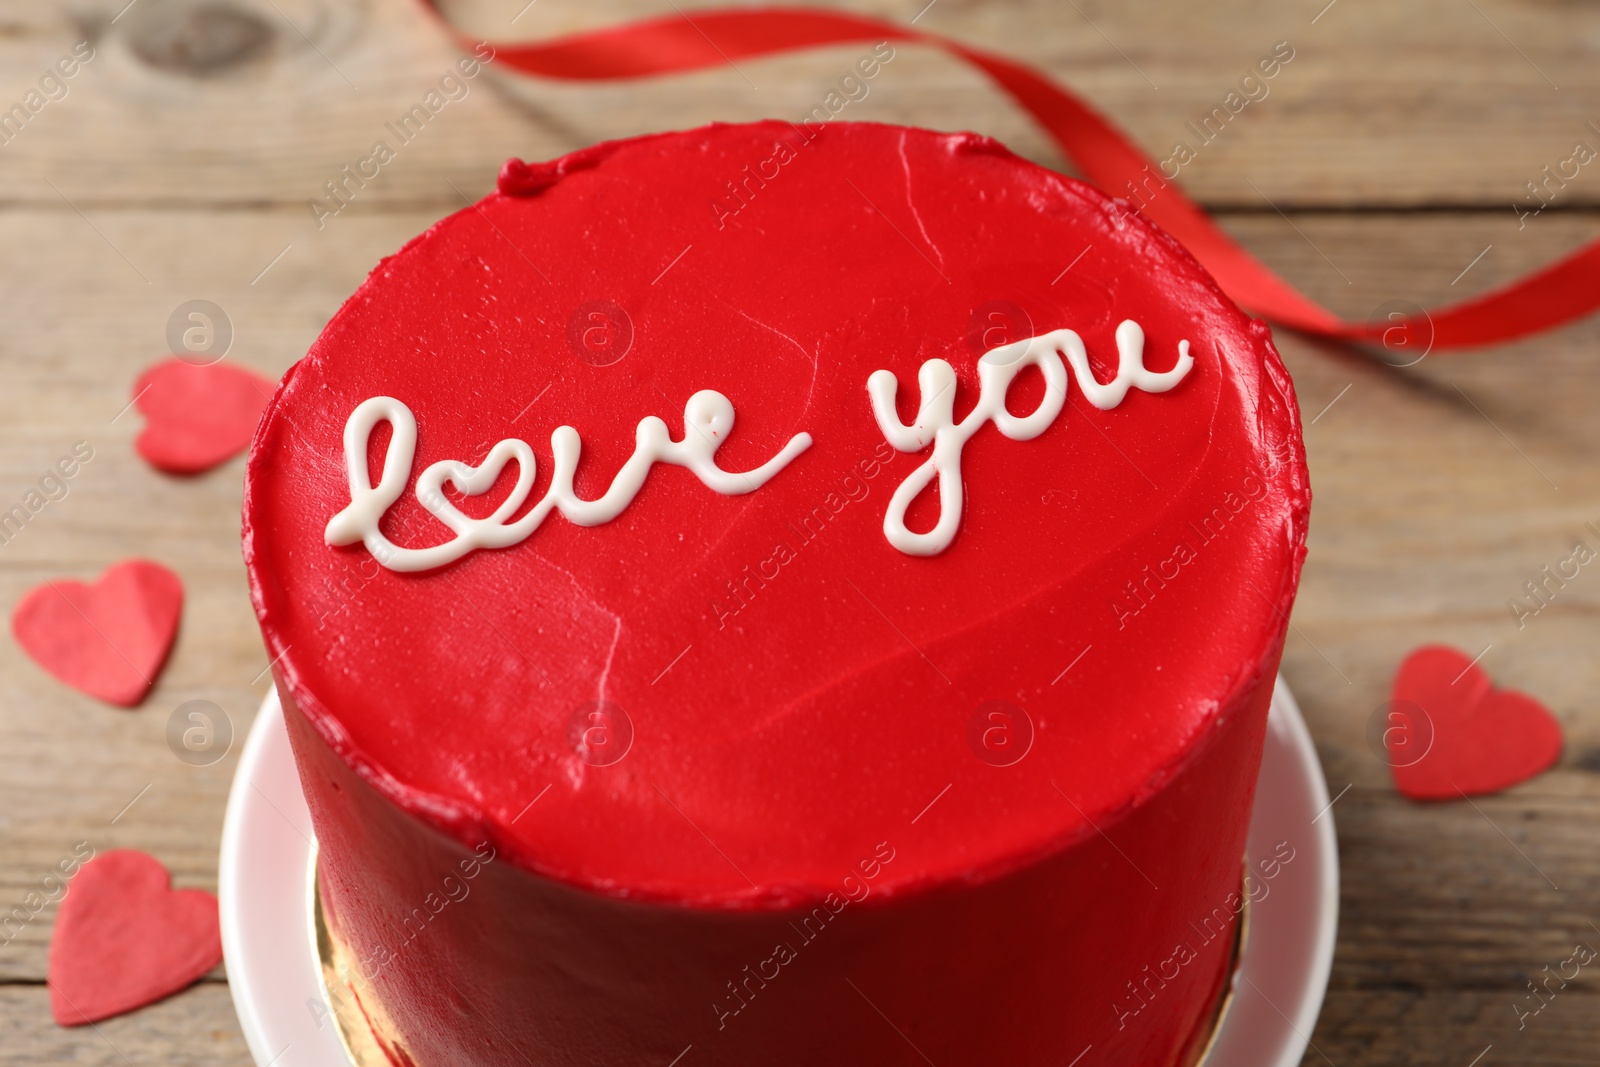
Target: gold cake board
{"points": [[338, 981], [339, 986], [1241, 935]]}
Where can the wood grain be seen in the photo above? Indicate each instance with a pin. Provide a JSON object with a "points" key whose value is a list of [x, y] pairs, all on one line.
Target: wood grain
{"points": [[1395, 142], [195, 1029], [1433, 102]]}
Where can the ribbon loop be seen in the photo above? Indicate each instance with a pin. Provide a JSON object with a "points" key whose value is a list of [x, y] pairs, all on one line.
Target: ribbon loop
{"points": [[1566, 290]]}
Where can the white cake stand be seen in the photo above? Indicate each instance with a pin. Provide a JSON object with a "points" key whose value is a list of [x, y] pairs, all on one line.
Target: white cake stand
{"points": [[273, 970]]}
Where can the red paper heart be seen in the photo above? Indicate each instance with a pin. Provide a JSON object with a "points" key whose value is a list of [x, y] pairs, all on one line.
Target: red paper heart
{"points": [[108, 639], [1473, 738], [196, 417], [125, 938]]}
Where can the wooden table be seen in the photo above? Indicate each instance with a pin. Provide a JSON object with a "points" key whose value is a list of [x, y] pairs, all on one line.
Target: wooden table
{"points": [[1383, 165]]}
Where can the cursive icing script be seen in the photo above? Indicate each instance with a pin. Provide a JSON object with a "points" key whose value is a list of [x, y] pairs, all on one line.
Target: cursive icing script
{"points": [[935, 422], [707, 419]]}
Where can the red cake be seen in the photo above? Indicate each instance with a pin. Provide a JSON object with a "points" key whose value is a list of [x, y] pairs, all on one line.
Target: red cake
{"points": [[852, 645]]}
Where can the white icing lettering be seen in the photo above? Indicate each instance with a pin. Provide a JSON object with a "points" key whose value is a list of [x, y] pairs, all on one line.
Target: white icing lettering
{"points": [[935, 421], [708, 419]]}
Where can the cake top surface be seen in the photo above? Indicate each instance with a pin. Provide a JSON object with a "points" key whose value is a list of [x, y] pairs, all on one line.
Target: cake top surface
{"points": [[909, 492]]}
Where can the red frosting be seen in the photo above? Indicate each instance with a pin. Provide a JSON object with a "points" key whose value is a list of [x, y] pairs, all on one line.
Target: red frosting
{"points": [[803, 713]]}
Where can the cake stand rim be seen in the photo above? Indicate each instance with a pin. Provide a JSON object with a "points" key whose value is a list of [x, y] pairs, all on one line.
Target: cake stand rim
{"points": [[1242, 1036]]}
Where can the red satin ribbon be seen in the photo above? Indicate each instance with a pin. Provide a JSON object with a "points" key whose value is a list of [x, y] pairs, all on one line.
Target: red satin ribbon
{"points": [[1561, 292]]}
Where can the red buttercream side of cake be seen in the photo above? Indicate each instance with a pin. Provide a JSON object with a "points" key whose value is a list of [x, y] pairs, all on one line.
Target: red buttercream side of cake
{"points": [[1122, 943], [803, 698]]}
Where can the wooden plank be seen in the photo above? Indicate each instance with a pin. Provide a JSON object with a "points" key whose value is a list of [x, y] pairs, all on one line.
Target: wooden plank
{"points": [[1454, 1029], [196, 1027], [74, 764], [1374, 108]]}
